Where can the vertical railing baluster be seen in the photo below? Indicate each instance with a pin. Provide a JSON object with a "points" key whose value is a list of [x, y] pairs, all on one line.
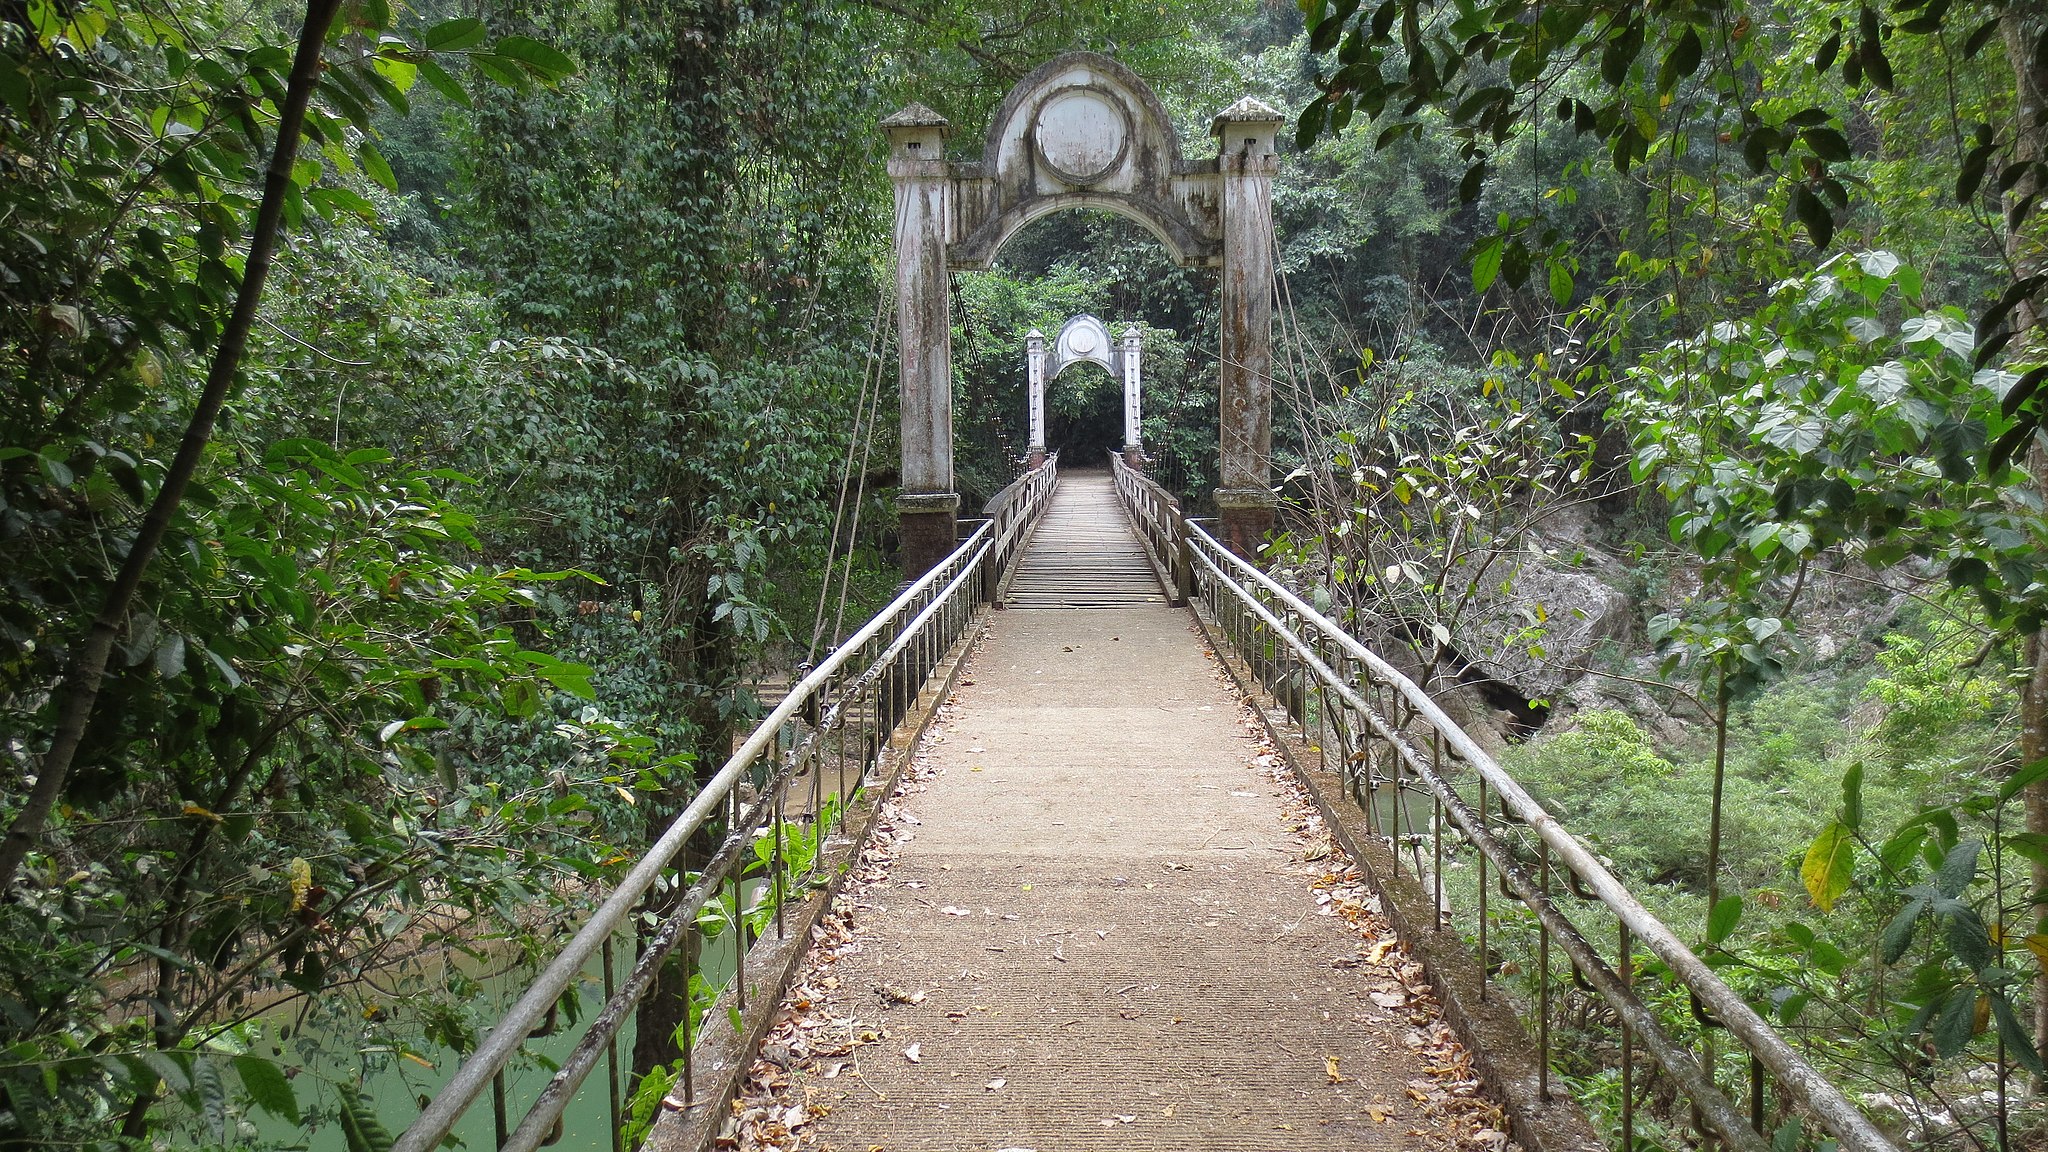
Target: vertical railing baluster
{"points": [[739, 904], [1400, 774], [1756, 1093], [1485, 960], [1364, 789], [692, 955], [498, 1123], [611, 1058], [1436, 829], [1543, 976], [1325, 730], [775, 860]]}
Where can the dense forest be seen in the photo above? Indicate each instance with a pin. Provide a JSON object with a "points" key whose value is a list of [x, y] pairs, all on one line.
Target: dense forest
{"points": [[429, 429]]}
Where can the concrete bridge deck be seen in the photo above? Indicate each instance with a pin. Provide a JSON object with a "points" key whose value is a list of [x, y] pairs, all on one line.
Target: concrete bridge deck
{"points": [[1097, 918]]}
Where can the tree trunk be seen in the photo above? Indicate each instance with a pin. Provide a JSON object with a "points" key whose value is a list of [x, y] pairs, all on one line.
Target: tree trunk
{"points": [[2022, 25], [701, 653]]}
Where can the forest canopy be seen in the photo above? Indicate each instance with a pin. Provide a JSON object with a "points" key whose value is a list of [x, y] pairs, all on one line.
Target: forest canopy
{"points": [[430, 430]]}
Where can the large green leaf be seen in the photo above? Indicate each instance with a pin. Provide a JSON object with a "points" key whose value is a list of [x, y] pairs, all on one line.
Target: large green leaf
{"points": [[267, 1087], [1898, 933], [544, 60], [1722, 920], [1830, 865], [454, 35], [1956, 1022]]}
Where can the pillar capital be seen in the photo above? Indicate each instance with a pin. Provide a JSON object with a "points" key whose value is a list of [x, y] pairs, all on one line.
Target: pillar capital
{"points": [[1248, 132], [917, 503], [1240, 499], [917, 144]]}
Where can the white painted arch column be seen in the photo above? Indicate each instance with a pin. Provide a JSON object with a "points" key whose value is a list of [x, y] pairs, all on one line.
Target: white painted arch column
{"points": [[1134, 346], [1034, 376]]}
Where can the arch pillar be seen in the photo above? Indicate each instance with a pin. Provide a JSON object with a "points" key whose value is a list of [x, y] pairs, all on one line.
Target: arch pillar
{"points": [[1082, 131], [927, 507], [1246, 162], [1034, 377], [1134, 346]]}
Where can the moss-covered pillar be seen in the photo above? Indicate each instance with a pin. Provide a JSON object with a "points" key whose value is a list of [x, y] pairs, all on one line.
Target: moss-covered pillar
{"points": [[927, 507], [1246, 163]]}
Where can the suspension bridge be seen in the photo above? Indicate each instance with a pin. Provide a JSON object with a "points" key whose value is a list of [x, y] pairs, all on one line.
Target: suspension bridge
{"points": [[1100, 836]]}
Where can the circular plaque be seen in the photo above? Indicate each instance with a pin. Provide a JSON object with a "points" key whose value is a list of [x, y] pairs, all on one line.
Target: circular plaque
{"points": [[1081, 134], [1082, 340]]}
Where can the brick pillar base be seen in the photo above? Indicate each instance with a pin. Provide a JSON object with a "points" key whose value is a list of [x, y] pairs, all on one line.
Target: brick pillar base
{"points": [[1034, 459], [1134, 457], [1244, 517], [927, 523]]}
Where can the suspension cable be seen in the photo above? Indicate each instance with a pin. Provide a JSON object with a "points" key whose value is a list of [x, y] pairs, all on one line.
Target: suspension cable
{"points": [[863, 432], [860, 493]]}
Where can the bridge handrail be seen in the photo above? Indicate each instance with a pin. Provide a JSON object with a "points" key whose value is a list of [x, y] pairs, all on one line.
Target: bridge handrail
{"points": [[1162, 527], [1202, 565], [912, 632], [1016, 508], [1812, 1090]]}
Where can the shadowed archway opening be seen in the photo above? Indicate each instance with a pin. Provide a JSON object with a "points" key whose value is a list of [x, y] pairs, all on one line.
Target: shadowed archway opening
{"points": [[1084, 416], [1062, 265]]}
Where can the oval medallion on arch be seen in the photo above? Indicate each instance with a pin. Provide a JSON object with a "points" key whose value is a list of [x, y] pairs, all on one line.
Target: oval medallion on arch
{"points": [[1081, 133]]}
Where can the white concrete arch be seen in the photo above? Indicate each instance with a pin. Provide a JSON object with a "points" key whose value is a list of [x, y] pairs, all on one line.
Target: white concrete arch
{"points": [[1082, 131]]}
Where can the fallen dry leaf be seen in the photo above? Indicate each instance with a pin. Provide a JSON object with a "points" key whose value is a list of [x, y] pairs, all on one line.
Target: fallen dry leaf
{"points": [[911, 1054], [1330, 1070], [1378, 1113]]}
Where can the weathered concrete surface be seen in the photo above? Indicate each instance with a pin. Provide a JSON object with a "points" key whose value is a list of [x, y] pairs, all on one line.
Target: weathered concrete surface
{"points": [[1083, 131], [1099, 929], [1135, 943], [924, 336], [1246, 162]]}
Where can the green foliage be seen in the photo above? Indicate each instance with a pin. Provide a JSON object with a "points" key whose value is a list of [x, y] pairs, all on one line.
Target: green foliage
{"points": [[1670, 88], [1930, 688], [1844, 416], [1607, 742], [1423, 486]]}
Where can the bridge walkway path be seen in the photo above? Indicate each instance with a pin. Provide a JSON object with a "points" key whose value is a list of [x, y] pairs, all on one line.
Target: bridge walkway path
{"points": [[1095, 924]]}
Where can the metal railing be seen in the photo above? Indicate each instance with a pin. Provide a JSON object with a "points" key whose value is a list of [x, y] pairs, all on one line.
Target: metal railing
{"points": [[835, 722], [1013, 511], [1160, 525], [1394, 747]]}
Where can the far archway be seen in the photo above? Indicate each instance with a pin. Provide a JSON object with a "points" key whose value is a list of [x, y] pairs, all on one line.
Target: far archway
{"points": [[1084, 339]]}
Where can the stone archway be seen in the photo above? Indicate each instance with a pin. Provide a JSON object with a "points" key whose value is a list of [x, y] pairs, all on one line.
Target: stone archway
{"points": [[1084, 340], [1082, 131]]}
